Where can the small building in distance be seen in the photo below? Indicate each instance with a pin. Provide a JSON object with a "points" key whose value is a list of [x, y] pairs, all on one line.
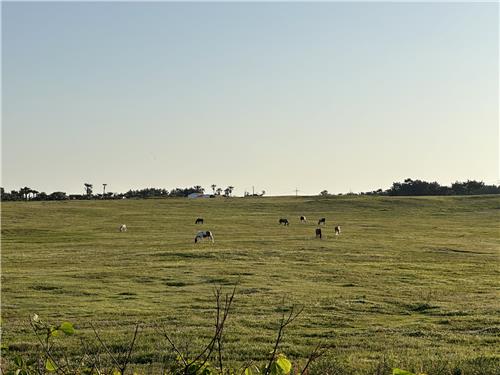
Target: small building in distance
{"points": [[199, 195]]}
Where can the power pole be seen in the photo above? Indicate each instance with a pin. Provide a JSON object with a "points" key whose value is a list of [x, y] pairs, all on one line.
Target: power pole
{"points": [[253, 191], [103, 190], [296, 192]]}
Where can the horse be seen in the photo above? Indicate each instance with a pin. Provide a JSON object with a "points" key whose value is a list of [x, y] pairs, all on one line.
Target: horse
{"points": [[199, 221], [318, 233], [303, 219], [203, 234], [337, 230], [122, 228], [283, 221], [322, 221]]}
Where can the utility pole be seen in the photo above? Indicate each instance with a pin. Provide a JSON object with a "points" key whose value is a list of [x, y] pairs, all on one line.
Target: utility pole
{"points": [[296, 192], [253, 191], [103, 190]]}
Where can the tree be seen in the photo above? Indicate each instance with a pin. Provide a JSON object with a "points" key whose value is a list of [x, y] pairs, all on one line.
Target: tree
{"points": [[324, 193], [42, 196], [25, 192], [15, 195], [88, 190], [57, 196], [471, 187], [150, 193], [34, 193], [263, 193], [218, 191], [213, 186], [198, 189], [8, 196]]}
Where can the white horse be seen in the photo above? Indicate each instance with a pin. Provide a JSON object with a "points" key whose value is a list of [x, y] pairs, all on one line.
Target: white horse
{"points": [[203, 234], [123, 228]]}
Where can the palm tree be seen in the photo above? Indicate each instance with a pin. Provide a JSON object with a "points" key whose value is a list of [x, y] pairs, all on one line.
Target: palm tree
{"points": [[213, 186], [199, 189], [88, 190]]}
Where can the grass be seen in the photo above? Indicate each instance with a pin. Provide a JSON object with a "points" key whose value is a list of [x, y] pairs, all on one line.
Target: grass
{"points": [[411, 280]]}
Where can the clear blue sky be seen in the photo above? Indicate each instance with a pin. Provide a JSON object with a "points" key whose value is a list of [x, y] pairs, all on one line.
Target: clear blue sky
{"points": [[336, 96]]}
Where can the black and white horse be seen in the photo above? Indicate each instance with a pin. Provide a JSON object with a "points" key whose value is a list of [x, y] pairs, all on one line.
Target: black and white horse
{"points": [[203, 234], [318, 233], [283, 221], [337, 230], [199, 221], [122, 228], [303, 219], [322, 221]]}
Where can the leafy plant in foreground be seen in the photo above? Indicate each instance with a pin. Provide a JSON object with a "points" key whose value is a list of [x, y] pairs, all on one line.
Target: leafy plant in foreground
{"points": [[209, 361]]}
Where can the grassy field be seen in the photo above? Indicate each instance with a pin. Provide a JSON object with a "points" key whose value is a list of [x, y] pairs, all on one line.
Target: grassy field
{"points": [[411, 282]]}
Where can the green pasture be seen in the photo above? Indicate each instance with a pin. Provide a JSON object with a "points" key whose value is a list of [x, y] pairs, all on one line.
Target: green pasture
{"points": [[411, 282]]}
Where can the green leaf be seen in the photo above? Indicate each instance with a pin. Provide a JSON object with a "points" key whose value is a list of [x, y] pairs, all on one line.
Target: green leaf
{"points": [[116, 372], [67, 328], [50, 365], [18, 361], [284, 364], [398, 371], [54, 332], [251, 370]]}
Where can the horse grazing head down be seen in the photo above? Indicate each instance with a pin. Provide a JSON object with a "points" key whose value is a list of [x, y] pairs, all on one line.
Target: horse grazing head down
{"points": [[283, 221], [204, 234]]}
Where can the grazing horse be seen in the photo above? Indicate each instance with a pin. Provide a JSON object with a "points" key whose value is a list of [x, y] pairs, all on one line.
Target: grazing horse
{"points": [[322, 221], [283, 221], [337, 230], [203, 234], [199, 221], [303, 219], [318, 233], [123, 228]]}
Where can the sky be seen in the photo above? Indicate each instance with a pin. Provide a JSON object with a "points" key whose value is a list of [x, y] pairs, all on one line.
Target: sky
{"points": [[279, 96]]}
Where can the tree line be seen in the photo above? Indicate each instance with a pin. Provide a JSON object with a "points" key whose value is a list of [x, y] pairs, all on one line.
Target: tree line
{"points": [[408, 187], [27, 193], [411, 187]]}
